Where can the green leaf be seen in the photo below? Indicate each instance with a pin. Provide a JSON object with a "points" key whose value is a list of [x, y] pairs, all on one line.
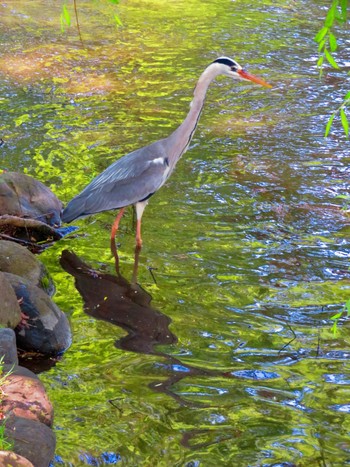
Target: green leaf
{"points": [[331, 14], [347, 96], [336, 316], [320, 61], [330, 59], [329, 125], [334, 328], [343, 7], [332, 42], [118, 20], [347, 306], [321, 45], [340, 16], [344, 121], [66, 15], [321, 34]]}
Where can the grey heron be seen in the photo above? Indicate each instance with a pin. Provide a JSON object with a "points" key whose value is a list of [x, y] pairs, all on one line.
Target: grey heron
{"points": [[135, 177]]}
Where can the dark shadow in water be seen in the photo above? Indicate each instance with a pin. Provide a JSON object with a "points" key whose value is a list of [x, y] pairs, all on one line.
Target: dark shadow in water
{"points": [[112, 298], [126, 304]]}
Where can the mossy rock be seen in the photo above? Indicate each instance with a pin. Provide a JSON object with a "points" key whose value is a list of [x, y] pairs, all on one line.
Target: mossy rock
{"points": [[17, 260], [10, 312]]}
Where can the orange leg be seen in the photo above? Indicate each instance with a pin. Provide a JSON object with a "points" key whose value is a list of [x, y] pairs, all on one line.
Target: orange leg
{"points": [[140, 207], [138, 235], [115, 225]]}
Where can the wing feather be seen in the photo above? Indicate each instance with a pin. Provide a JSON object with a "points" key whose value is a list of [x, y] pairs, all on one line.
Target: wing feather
{"points": [[130, 179]]}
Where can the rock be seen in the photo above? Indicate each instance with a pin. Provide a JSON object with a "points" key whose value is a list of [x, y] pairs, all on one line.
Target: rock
{"points": [[20, 371], [8, 348], [10, 312], [11, 459], [16, 259], [32, 440], [47, 330], [33, 234], [24, 395], [25, 197]]}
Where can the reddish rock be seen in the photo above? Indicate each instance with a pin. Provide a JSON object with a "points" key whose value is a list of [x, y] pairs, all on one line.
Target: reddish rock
{"points": [[32, 440], [24, 396], [11, 459]]}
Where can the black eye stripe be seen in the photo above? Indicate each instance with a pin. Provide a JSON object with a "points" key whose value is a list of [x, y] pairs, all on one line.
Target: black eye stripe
{"points": [[227, 61]]}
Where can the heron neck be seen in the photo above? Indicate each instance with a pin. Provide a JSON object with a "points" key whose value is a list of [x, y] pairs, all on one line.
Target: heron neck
{"points": [[181, 137]]}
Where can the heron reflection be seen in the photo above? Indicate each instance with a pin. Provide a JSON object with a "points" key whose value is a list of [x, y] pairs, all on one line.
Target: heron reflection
{"points": [[120, 302], [127, 305]]}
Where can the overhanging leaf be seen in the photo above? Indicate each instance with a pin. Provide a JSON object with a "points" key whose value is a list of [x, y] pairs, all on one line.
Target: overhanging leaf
{"points": [[66, 15], [321, 34], [330, 59], [343, 7], [332, 42], [347, 306], [331, 14], [344, 121], [118, 20], [329, 125], [320, 61]]}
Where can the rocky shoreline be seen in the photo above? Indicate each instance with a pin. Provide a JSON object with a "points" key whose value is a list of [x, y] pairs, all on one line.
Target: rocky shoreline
{"points": [[30, 321], [26, 411]]}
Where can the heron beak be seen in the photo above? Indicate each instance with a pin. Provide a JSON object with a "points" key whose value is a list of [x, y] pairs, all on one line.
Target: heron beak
{"points": [[244, 75]]}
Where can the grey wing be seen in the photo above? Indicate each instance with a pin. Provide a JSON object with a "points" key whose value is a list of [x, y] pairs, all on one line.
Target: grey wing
{"points": [[132, 178]]}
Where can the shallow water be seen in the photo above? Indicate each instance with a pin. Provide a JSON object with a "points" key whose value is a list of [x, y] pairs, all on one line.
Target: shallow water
{"points": [[224, 355]]}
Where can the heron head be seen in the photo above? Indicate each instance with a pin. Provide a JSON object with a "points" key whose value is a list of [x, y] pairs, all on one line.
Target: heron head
{"points": [[231, 68]]}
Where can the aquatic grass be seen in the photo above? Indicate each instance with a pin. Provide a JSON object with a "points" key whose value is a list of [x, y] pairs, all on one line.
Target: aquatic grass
{"points": [[5, 445]]}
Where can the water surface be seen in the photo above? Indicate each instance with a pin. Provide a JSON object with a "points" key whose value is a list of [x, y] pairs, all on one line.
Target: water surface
{"points": [[223, 354]]}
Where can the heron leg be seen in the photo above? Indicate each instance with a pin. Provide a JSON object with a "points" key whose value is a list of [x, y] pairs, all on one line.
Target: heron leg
{"points": [[138, 235], [113, 234], [140, 207], [115, 225]]}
